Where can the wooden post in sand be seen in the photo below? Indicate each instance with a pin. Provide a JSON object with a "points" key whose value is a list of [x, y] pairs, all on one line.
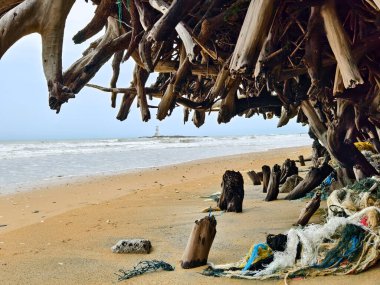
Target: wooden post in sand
{"points": [[254, 177], [231, 199], [288, 169], [199, 243], [301, 160], [309, 210], [266, 175], [274, 183]]}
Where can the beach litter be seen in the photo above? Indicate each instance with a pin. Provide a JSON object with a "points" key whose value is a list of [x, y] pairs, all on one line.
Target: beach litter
{"points": [[142, 267], [347, 243], [132, 246]]}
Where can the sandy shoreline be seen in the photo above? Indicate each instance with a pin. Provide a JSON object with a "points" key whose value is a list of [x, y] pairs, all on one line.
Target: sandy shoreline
{"points": [[62, 234]]}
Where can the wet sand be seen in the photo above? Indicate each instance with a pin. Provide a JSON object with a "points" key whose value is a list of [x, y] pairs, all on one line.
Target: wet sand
{"points": [[62, 234]]}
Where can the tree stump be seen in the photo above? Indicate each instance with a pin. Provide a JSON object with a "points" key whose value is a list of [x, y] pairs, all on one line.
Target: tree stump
{"points": [[312, 179], [274, 183], [301, 160], [231, 199], [254, 177], [266, 175], [290, 183], [199, 243], [288, 169], [309, 210]]}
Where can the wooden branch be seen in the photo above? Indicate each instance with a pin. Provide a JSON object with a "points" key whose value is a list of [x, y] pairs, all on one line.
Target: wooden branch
{"points": [[318, 128], [13, 25], [140, 76], [199, 118], [228, 106], [169, 21], [78, 74], [252, 36], [313, 44], [340, 46], [117, 58], [126, 104], [311, 207], [104, 9], [312, 179]]}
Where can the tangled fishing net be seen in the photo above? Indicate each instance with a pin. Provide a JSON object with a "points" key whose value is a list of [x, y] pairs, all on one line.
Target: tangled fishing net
{"points": [[144, 267], [348, 243]]}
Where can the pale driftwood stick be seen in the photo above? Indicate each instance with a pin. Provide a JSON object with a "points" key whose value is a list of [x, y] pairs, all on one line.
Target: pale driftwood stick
{"points": [[199, 243], [252, 35], [274, 183], [254, 177], [266, 176], [140, 76], [340, 46], [228, 106], [310, 208], [159, 32], [316, 125], [338, 82], [312, 179], [117, 58]]}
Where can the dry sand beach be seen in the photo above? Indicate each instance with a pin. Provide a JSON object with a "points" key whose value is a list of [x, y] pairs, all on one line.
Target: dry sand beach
{"points": [[62, 234]]}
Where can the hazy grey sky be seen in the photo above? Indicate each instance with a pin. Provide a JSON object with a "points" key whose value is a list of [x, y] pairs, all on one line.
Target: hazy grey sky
{"points": [[25, 114]]}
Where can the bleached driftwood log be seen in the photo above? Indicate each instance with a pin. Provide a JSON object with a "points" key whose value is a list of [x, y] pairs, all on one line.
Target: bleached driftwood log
{"points": [[252, 35], [340, 46], [47, 18]]}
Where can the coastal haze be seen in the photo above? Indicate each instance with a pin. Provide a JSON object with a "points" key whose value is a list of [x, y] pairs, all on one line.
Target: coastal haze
{"points": [[32, 163]]}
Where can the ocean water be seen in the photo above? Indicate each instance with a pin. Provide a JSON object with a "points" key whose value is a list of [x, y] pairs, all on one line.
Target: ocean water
{"points": [[30, 163]]}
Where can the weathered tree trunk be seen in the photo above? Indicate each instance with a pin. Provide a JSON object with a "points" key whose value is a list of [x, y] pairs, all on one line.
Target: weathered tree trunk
{"points": [[231, 199], [199, 243], [313, 178], [288, 169], [266, 176], [341, 147], [274, 183], [254, 177], [309, 210]]}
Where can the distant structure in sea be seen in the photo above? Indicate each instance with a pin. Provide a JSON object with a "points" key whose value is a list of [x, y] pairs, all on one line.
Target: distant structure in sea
{"points": [[157, 132]]}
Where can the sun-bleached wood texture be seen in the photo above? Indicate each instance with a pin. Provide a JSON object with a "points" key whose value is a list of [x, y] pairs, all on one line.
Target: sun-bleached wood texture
{"points": [[316, 60]]}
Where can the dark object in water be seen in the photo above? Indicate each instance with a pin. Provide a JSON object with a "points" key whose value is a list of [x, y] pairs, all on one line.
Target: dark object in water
{"points": [[144, 267]]}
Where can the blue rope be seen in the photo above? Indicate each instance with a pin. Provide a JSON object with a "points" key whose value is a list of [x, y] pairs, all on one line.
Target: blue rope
{"points": [[254, 255]]}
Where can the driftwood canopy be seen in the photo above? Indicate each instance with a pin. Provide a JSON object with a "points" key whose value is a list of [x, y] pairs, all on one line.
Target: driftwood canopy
{"points": [[314, 59]]}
